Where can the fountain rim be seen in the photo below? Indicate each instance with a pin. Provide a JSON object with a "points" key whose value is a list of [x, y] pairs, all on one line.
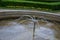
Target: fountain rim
{"points": [[16, 13]]}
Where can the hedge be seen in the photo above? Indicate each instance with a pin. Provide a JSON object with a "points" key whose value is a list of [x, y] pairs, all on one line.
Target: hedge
{"points": [[44, 0], [54, 6]]}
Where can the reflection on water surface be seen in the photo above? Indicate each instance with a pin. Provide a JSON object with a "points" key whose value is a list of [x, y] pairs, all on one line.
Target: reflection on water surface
{"points": [[23, 30]]}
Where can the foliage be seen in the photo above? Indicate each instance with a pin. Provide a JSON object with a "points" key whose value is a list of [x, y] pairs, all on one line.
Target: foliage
{"points": [[53, 6]]}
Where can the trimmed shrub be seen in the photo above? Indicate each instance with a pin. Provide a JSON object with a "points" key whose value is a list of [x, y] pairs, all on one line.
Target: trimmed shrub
{"points": [[33, 4]]}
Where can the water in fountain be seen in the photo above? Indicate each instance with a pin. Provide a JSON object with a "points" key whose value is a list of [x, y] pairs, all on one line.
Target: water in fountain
{"points": [[14, 30], [43, 32]]}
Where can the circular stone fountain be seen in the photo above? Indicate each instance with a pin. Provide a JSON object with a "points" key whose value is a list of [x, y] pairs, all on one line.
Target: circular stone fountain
{"points": [[29, 25]]}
